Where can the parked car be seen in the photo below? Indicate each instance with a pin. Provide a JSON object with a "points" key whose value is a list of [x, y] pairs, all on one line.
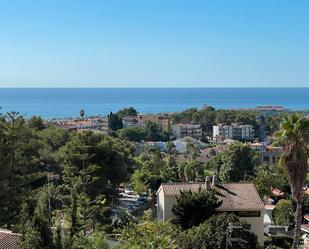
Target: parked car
{"points": [[129, 191]]}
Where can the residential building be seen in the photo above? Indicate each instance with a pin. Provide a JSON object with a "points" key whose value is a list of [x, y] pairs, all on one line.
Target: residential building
{"points": [[82, 124], [187, 130], [181, 144], [130, 121], [271, 155], [233, 131], [239, 198], [222, 132], [268, 154], [270, 108], [164, 122]]}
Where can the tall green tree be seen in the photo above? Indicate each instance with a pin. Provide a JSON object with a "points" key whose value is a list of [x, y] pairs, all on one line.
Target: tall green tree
{"points": [[283, 213], [20, 165], [294, 137], [192, 150], [238, 163], [193, 208], [114, 122]]}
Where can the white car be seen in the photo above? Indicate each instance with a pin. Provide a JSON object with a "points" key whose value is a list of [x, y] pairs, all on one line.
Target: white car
{"points": [[129, 191]]}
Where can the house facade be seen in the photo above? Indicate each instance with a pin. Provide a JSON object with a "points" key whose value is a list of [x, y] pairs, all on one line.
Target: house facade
{"points": [[241, 199]]}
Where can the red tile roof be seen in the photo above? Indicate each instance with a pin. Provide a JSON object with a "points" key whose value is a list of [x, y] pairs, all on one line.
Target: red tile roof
{"points": [[234, 196], [9, 240], [277, 192], [306, 217]]}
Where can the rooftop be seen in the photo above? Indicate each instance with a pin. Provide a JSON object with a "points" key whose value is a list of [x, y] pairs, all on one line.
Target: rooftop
{"points": [[234, 196], [9, 240], [186, 125]]}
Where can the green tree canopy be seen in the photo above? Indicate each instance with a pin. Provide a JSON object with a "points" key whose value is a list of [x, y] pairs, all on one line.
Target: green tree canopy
{"points": [[149, 235], [283, 213], [135, 134], [114, 122], [193, 208], [213, 234], [130, 111], [238, 163]]}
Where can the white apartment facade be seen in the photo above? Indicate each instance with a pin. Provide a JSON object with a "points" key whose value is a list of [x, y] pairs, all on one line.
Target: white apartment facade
{"points": [[187, 130], [234, 131]]}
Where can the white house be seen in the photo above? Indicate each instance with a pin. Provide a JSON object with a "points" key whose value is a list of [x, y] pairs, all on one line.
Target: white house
{"points": [[239, 198]]}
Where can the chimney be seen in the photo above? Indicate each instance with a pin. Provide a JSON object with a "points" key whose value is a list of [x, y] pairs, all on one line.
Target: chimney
{"points": [[214, 180], [207, 183]]}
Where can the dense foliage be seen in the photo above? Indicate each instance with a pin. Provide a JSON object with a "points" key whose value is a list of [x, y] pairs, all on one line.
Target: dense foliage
{"points": [[214, 233], [283, 213], [202, 204], [84, 170], [209, 116]]}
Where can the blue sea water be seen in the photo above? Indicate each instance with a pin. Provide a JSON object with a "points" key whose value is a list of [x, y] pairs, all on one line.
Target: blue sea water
{"points": [[66, 102]]}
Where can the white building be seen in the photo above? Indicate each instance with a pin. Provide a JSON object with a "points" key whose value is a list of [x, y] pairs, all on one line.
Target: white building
{"points": [[239, 198], [234, 131], [82, 124], [187, 130]]}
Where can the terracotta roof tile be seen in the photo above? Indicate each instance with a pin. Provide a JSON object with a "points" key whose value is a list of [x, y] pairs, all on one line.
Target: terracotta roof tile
{"points": [[234, 196], [9, 240]]}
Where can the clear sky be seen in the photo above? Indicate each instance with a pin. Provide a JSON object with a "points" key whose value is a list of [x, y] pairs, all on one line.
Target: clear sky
{"points": [[146, 43]]}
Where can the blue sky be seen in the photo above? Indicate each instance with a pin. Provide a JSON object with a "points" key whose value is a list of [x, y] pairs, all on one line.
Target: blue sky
{"points": [[154, 43]]}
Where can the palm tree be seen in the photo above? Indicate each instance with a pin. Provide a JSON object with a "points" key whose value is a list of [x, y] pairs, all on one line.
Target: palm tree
{"points": [[192, 150], [294, 138], [170, 148]]}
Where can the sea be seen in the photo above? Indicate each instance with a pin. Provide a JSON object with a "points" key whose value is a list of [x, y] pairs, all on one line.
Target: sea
{"points": [[52, 103]]}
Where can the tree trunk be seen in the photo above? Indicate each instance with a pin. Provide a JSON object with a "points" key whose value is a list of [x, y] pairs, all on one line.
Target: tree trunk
{"points": [[298, 221]]}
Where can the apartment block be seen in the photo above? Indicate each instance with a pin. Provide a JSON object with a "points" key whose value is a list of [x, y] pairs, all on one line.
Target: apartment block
{"points": [[187, 130], [233, 131]]}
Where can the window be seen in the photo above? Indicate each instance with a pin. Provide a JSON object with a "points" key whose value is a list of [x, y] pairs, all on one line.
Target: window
{"points": [[248, 214]]}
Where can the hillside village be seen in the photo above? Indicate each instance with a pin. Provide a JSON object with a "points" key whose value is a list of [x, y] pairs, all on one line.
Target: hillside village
{"points": [[128, 166]]}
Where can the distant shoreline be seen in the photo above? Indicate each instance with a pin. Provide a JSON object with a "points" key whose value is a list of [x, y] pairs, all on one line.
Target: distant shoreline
{"points": [[66, 102]]}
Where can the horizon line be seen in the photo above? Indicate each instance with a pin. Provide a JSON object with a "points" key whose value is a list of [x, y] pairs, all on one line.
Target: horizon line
{"points": [[144, 87]]}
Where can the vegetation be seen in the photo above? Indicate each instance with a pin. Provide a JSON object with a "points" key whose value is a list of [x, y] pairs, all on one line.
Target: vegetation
{"points": [[294, 137], [134, 134], [149, 235], [114, 122], [283, 213], [202, 204], [236, 163], [214, 233], [57, 187], [130, 111], [269, 177], [84, 170], [210, 116]]}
